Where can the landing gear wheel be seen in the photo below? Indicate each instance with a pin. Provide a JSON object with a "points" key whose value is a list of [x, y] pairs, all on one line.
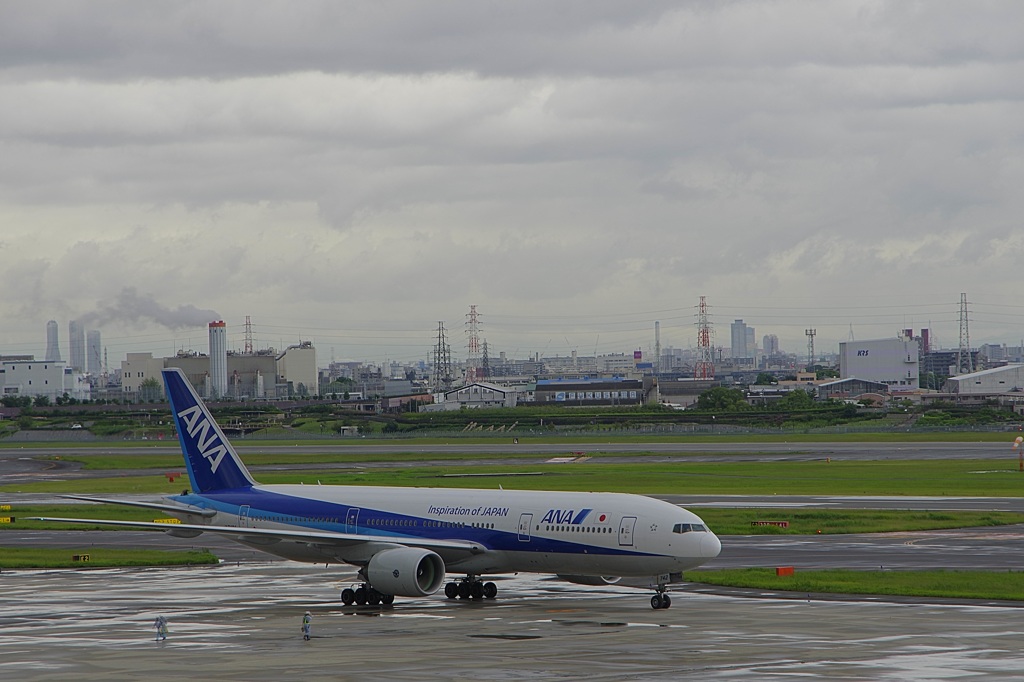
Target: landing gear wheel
{"points": [[661, 601], [372, 597], [666, 601], [490, 590], [360, 595], [451, 590], [465, 591], [348, 595], [387, 599], [476, 590]]}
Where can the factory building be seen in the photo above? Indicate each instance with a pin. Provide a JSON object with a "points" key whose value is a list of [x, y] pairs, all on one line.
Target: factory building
{"points": [[296, 367], [136, 368], [893, 362], [262, 375], [249, 376], [35, 378]]}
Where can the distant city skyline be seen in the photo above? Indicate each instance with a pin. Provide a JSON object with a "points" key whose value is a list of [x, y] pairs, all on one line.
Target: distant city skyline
{"points": [[623, 333]]}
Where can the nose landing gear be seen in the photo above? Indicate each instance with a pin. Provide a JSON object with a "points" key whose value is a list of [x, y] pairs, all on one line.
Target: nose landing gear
{"points": [[661, 601]]}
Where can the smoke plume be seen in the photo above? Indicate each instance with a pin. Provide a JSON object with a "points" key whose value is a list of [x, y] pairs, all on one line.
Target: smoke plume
{"points": [[131, 306]]}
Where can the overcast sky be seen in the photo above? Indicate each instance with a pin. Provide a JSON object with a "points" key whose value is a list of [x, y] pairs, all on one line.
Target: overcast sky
{"points": [[352, 173]]}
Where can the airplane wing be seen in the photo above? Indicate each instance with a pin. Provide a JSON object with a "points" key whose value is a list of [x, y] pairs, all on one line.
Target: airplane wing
{"points": [[176, 508], [266, 536]]}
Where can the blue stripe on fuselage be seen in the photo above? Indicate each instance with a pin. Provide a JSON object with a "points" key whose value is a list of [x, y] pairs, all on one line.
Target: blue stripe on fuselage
{"points": [[303, 512]]}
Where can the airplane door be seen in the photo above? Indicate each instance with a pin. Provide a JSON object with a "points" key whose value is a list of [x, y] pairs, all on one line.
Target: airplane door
{"points": [[352, 520], [626, 526], [525, 522], [243, 516]]}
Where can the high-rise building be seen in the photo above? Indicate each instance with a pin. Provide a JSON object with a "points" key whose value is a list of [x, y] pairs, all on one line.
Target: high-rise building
{"points": [[52, 342], [76, 332], [218, 360], [93, 352], [741, 339], [770, 345]]}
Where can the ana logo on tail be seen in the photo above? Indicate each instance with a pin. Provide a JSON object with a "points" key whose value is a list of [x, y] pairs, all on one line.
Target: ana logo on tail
{"points": [[208, 441]]}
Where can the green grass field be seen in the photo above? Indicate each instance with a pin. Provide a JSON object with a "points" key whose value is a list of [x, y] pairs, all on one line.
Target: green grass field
{"points": [[976, 478], [946, 584]]}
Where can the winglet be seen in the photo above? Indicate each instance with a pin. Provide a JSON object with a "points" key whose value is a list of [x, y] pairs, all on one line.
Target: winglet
{"points": [[212, 463]]}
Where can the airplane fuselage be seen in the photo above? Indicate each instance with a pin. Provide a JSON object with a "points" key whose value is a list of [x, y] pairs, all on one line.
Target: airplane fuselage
{"points": [[559, 532]]}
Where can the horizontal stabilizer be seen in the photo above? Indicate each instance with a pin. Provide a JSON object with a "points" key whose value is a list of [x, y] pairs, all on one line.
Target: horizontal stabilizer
{"points": [[171, 508]]}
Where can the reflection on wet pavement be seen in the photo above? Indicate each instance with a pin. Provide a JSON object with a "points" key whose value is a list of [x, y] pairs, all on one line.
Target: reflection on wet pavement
{"points": [[241, 622]]}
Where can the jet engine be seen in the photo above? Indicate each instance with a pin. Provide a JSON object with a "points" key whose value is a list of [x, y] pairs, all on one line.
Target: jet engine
{"points": [[591, 579], [405, 572]]}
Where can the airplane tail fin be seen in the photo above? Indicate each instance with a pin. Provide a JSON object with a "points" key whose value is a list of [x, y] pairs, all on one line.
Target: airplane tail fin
{"points": [[211, 461]]}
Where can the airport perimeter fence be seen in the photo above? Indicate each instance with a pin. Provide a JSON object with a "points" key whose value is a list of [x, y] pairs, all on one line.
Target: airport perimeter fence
{"points": [[566, 432]]}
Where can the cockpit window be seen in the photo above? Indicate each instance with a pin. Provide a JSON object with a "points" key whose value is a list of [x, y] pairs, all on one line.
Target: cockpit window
{"points": [[687, 527]]}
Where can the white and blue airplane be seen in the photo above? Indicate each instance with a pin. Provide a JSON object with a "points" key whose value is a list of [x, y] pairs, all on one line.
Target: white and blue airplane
{"points": [[405, 540]]}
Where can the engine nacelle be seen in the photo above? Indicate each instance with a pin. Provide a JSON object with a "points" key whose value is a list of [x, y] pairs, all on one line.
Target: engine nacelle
{"points": [[591, 579], [406, 572]]}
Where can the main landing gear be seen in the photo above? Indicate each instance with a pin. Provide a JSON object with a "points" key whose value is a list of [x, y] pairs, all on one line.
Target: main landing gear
{"points": [[364, 594], [470, 587]]}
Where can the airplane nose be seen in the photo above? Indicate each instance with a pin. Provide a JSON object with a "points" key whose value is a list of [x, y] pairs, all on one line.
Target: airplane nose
{"points": [[710, 546]]}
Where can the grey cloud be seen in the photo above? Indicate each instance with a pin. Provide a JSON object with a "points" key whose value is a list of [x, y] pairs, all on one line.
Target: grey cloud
{"points": [[359, 161]]}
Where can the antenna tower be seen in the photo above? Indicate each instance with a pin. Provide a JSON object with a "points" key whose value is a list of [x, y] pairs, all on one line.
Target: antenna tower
{"points": [[473, 356], [964, 364], [705, 367], [442, 361], [810, 347], [248, 335], [485, 363]]}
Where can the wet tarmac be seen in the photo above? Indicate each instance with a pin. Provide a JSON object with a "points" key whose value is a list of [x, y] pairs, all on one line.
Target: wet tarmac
{"points": [[242, 622]]}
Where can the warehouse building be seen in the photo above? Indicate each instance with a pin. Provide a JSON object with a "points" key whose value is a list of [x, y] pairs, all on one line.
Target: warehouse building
{"points": [[1008, 379], [894, 362]]}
